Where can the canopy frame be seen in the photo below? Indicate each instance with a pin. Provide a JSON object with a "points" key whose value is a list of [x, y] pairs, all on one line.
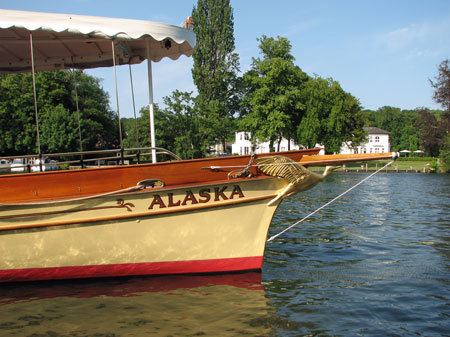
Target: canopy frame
{"points": [[65, 41]]}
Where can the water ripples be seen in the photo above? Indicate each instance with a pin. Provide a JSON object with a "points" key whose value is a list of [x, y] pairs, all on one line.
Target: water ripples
{"points": [[374, 263]]}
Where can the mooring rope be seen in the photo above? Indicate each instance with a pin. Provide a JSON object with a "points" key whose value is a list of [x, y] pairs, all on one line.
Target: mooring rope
{"points": [[328, 203]]}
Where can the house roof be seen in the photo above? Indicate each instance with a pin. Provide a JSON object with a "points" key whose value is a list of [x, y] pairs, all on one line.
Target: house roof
{"points": [[371, 130]]}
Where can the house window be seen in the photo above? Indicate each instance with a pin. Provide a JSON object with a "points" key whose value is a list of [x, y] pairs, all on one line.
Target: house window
{"points": [[377, 139], [370, 139]]}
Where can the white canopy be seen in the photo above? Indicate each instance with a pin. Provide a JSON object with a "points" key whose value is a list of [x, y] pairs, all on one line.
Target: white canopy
{"points": [[76, 41], [61, 41]]}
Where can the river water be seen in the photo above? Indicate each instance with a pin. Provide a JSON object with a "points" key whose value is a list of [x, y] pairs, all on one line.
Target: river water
{"points": [[374, 263]]}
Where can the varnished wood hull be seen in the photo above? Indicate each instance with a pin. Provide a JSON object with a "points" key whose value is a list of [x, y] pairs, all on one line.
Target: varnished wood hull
{"points": [[35, 187]]}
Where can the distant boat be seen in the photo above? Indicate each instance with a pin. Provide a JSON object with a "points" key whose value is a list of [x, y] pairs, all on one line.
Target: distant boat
{"points": [[19, 165], [5, 165], [180, 216], [44, 164]]}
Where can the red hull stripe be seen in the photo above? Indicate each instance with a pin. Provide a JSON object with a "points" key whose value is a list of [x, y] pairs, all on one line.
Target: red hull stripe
{"points": [[131, 269]]}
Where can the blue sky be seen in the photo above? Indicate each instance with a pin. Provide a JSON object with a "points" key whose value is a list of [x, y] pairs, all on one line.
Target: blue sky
{"points": [[382, 52]]}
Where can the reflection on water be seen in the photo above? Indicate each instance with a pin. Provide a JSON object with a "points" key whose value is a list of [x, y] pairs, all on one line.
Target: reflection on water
{"points": [[375, 263], [220, 305]]}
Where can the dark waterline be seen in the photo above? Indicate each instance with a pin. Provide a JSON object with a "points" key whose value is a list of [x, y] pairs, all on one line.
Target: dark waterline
{"points": [[375, 263]]}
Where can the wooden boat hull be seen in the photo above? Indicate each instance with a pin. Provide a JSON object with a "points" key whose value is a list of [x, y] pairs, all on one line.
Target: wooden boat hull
{"points": [[64, 184], [103, 223], [202, 228]]}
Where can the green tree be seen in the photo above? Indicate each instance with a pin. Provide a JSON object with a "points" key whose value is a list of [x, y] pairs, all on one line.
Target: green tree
{"points": [[272, 102], [59, 129], [444, 154], [431, 134], [99, 124], [332, 116], [215, 67], [178, 126], [442, 85], [17, 115], [143, 128], [442, 96], [183, 126], [58, 122], [401, 124]]}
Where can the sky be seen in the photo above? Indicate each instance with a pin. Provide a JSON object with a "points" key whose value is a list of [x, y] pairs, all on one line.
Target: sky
{"points": [[383, 52]]}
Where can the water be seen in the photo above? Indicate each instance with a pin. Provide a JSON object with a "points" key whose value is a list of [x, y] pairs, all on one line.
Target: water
{"points": [[375, 263]]}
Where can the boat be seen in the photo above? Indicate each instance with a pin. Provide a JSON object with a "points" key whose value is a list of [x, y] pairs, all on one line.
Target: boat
{"points": [[204, 215], [5, 165]]}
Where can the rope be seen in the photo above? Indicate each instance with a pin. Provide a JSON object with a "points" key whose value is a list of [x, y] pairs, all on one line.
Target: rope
{"points": [[244, 172], [328, 203]]}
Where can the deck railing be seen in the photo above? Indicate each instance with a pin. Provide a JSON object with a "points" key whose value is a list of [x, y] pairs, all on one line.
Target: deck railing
{"points": [[85, 158]]}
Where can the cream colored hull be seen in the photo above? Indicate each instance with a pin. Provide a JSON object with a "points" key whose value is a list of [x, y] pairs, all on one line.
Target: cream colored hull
{"points": [[209, 228]]}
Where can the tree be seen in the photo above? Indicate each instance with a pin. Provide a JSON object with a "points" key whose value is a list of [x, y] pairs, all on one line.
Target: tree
{"points": [[59, 130], [17, 115], [332, 116], [442, 96], [444, 154], [99, 124], [186, 135], [272, 102], [58, 122], [215, 67], [442, 85], [431, 134], [401, 124], [179, 127]]}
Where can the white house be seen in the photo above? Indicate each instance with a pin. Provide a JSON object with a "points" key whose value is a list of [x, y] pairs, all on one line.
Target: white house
{"points": [[243, 145], [378, 142]]}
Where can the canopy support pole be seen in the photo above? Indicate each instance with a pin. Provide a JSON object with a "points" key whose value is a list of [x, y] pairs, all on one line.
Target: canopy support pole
{"points": [[117, 92], [35, 96], [134, 107], [150, 105], [77, 107]]}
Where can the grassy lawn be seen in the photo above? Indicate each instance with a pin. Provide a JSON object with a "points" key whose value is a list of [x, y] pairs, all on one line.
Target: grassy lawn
{"points": [[402, 164]]}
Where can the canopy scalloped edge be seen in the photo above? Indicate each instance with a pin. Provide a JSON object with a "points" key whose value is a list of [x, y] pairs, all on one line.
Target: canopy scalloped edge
{"points": [[61, 39]]}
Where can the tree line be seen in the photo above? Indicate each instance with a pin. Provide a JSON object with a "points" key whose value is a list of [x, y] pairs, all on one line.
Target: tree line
{"points": [[275, 98], [418, 129]]}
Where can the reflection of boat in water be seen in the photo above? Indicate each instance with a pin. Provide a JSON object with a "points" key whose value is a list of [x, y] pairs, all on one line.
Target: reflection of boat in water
{"points": [[183, 216], [123, 287], [177, 305]]}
